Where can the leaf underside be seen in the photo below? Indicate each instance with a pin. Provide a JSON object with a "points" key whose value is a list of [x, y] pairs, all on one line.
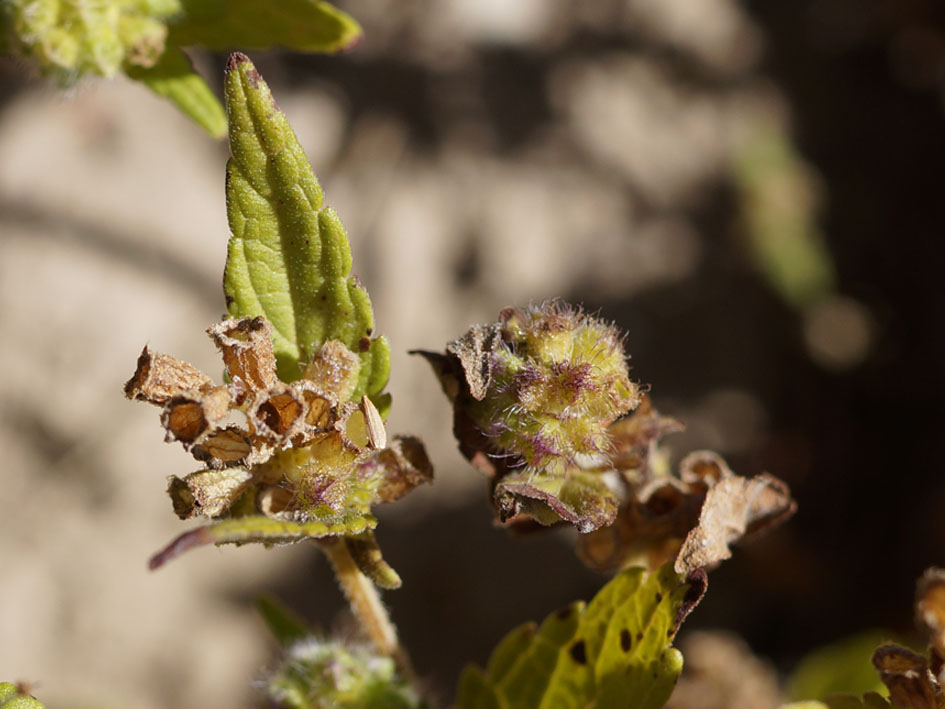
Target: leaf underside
{"points": [[264, 530]]}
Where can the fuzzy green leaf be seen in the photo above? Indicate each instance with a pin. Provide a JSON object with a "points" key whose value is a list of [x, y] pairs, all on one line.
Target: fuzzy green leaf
{"points": [[173, 77], [261, 529], [303, 25], [289, 258], [324, 674], [613, 653]]}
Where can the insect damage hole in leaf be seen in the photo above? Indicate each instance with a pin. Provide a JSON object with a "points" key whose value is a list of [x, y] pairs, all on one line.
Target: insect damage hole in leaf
{"points": [[615, 652]]}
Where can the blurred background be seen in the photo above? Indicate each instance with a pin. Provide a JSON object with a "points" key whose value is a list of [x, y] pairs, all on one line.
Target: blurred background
{"points": [[752, 190]]}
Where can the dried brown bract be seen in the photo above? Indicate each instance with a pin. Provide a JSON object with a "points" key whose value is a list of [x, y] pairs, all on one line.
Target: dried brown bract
{"points": [[907, 676], [692, 517]]}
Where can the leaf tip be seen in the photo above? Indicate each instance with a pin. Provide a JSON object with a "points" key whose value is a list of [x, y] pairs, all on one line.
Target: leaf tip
{"points": [[235, 59], [187, 540]]}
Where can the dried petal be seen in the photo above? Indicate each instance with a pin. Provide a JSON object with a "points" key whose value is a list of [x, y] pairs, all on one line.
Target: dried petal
{"points": [[246, 345], [376, 433], [228, 447], [400, 468], [208, 492], [334, 369], [186, 418], [635, 438], [907, 676], [160, 377], [278, 414]]}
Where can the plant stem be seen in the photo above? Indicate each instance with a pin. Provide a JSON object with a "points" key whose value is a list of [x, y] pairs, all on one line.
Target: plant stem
{"points": [[366, 605]]}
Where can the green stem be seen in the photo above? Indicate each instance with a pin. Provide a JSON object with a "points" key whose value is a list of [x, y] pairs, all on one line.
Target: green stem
{"points": [[366, 605]]}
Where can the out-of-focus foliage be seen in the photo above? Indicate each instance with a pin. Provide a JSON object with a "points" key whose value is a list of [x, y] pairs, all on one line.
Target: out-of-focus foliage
{"points": [[315, 673], [143, 38], [843, 666], [779, 211]]}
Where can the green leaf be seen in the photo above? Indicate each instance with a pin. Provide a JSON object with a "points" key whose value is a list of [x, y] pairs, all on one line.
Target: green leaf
{"points": [[613, 653], [285, 625], [844, 666], [174, 78], [303, 25], [261, 529], [289, 258]]}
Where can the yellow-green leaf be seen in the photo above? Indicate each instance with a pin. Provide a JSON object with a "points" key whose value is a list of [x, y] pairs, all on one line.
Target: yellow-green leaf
{"points": [[616, 652], [289, 258], [173, 77], [303, 25], [12, 697]]}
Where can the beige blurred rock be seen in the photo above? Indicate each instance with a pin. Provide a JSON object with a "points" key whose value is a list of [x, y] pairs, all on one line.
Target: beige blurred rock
{"points": [[722, 673]]}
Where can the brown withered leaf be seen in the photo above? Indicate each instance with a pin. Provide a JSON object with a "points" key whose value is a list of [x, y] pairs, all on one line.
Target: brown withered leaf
{"points": [[907, 676], [930, 616], [693, 518], [472, 443], [158, 378], [401, 467], [649, 528], [734, 507], [473, 352], [635, 438], [207, 492], [246, 346]]}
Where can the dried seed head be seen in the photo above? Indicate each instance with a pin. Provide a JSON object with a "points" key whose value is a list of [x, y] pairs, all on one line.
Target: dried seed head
{"points": [[306, 462]]}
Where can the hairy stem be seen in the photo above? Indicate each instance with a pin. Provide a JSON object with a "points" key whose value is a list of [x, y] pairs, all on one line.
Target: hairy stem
{"points": [[366, 605]]}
